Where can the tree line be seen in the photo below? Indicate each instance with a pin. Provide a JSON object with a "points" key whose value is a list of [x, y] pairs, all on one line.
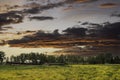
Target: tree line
{"points": [[39, 59]]}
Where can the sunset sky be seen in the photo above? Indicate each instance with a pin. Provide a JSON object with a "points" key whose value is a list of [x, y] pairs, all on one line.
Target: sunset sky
{"points": [[19, 16], [66, 15]]}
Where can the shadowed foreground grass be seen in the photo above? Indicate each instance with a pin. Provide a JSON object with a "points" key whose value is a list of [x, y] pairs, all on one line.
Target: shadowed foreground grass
{"points": [[70, 72]]}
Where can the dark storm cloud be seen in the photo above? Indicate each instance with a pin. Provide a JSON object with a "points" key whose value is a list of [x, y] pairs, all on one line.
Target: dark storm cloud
{"points": [[32, 10], [111, 30], [91, 24], [53, 39], [72, 36], [41, 18], [44, 35], [40, 35], [96, 25], [11, 17], [108, 5], [106, 30], [38, 9], [75, 31], [85, 23], [115, 14]]}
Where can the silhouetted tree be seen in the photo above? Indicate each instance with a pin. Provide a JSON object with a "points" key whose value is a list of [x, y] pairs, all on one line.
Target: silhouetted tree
{"points": [[61, 59], [23, 57], [32, 57], [51, 59], [42, 58], [36, 58], [108, 58], [2, 56], [116, 60]]}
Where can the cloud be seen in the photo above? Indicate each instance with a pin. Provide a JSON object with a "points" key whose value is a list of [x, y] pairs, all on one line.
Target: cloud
{"points": [[88, 50], [106, 30], [73, 36], [37, 8], [5, 28], [41, 18], [80, 1], [15, 7], [85, 23], [50, 39], [75, 31], [86, 0], [8, 27], [11, 17], [32, 5], [40, 35], [111, 30], [108, 5], [53, 39], [34, 10], [68, 8], [115, 14]]}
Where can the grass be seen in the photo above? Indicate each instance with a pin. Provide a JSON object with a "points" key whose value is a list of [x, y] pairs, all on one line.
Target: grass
{"points": [[70, 72]]}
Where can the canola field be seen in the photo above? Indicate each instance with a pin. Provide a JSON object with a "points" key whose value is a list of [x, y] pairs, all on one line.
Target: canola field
{"points": [[68, 72]]}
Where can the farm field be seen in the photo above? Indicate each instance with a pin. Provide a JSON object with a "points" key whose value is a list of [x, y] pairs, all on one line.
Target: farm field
{"points": [[68, 72]]}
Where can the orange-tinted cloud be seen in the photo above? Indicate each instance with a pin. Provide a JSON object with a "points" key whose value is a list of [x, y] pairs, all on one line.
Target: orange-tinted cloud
{"points": [[68, 8], [85, 1], [108, 5], [104, 36], [82, 0]]}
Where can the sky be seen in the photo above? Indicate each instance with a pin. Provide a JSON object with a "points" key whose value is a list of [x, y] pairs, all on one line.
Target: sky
{"points": [[67, 15], [48, 15]]}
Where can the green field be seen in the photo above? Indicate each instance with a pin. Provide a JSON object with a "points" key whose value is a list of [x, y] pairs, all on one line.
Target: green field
{"points": [[69, 72]]}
